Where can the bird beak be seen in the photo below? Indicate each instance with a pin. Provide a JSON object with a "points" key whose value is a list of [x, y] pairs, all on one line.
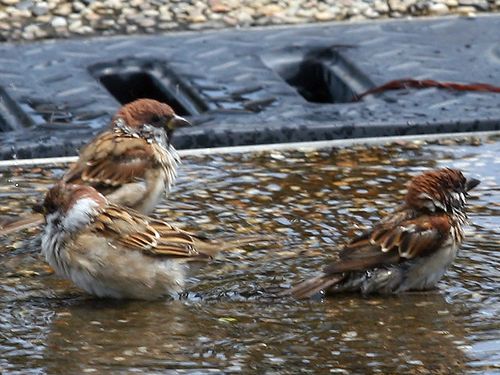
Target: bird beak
{"points": [[471, 183], [177, 122]]}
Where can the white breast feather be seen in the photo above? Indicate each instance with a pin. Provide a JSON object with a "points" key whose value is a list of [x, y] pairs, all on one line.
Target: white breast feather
{"points": [[80, 214]]}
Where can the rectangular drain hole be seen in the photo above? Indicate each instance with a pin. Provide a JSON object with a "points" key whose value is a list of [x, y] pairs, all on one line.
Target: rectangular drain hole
{"points": [[319, 75], [130, 80]]}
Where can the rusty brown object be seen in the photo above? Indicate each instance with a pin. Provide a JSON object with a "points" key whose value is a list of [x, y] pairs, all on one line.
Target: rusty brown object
{"points": [[407, 83]]}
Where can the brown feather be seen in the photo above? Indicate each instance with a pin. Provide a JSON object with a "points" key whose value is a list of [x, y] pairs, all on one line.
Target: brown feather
{"points": [[113, 158], [408, 240], [20, 224], [153, 237], [309, 288]]}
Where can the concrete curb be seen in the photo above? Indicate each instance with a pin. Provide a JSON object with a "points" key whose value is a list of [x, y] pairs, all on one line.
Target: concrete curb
{"points": [[302, 146]]}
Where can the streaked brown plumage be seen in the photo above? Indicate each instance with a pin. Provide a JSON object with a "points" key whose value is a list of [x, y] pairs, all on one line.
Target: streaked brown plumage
{"points": [[112, 251], [409, 249], [133, 163]]}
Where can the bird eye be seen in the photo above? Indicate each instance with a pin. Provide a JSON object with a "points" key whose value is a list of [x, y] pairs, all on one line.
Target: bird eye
{"points": [[155, 119], [51, 208]]}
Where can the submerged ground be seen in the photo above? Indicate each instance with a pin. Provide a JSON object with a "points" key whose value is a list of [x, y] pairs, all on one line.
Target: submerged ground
{"points": [[310, 201]]}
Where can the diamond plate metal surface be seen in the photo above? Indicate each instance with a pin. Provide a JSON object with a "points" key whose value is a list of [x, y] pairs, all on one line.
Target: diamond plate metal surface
{"points": [[52, 103]]}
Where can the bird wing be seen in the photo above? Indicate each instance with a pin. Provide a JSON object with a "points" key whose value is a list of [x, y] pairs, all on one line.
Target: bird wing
{"points": [[153, 237], [391, 244], [111, 159], [12, 226]]}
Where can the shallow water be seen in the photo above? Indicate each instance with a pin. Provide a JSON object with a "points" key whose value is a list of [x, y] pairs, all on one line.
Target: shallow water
{"points": [[310, 202]]}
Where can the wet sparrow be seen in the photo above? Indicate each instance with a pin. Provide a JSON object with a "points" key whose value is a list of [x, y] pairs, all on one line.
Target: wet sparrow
{"points": [[407, 250], [112, 251], [133, 163]]}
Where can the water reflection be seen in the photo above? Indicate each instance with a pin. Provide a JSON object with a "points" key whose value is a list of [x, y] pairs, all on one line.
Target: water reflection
{"points": [[310, 201]]}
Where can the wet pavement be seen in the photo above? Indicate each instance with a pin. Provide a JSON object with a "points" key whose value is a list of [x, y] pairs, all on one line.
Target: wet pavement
{"points": [[227, 322]]}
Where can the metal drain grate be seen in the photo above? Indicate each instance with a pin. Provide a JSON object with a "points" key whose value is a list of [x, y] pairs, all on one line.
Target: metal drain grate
{"points": [[244, 87]]}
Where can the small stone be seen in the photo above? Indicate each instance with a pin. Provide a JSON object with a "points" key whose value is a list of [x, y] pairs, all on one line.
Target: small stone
{"points": [[9, 2], [129, 13], [438, 9], [306, 13], [481, 6], [165, 14], [85, 30], [250, 11], [151, 13], [78, 6], [466, 11], [451, 3], [104, 24], [18, 13], [401, 6], [269, 10], [91, 16], [244, 18], [362, 6], [40, 8], [103, 11], [197, 18], [197, 26], [59, 22], [29, 32], [145, 22], [381, 6], [113, 4], [63, 9], [468, 2], [75, 26], [371, 13], [130, 29], [233, 3], [353, 12], [324, 16], [217, 7], [74, 16], [167, 25]]}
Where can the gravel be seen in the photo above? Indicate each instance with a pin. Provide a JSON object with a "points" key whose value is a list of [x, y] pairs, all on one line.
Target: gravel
{"points": [[33, 20]]}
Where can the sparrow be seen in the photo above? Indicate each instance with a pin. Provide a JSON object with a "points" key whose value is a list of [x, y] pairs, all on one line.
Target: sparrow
{"points": [[133, 163], [115, 252], [410, 249]]}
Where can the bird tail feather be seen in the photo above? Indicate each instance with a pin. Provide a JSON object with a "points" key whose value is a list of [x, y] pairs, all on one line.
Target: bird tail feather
{"points": [[23, 223], [213, 247], [309, 288]]}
